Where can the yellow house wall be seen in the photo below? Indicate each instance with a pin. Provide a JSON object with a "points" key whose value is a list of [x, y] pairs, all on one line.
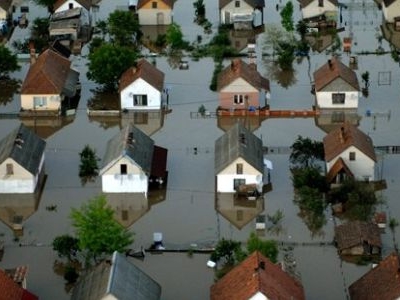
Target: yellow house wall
{"points": [[53, 102]]}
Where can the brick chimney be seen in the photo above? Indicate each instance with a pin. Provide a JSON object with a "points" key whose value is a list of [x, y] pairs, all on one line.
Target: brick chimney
{"points": [[32, 52]]}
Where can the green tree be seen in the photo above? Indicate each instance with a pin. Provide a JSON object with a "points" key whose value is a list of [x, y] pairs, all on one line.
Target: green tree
{"points": [[268, 248], [310, 177], [97, 230], [8, 62], [174, 37], [65, 246], [226, 250], [301, 28], [306, 151], [89, 159], [108, 62], [199, 9], [124, 28], [287, 16], [46, 3], [40, 28]]}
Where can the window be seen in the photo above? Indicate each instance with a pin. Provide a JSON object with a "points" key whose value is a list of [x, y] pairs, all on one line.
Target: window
{"points": [[238, 182], [39, 101], [338, 117], [238, 99], [141, 118], [24, 9], [140, 100], [9, 169], [154, 4], [239, 168], [71, 6], [237, 3], [321, 3], [352, 156], [338, 98], [124, 169]]}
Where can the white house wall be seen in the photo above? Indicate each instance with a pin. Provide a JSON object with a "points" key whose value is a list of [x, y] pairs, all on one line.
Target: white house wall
{"points": [[3, 14], [226, 177], [135, 181], [324, 100], [313, 9], [140, 87], [362, 167], [20, 182], [230, 10], [391, 12]]}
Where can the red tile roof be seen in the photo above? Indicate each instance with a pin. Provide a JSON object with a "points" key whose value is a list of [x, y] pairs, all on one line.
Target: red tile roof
{"points": [[239, 69], [169, 3], [257, 274], [144, 70], [344, 136], [382, 282], [9, 290], [332, 70], [47, 75]]}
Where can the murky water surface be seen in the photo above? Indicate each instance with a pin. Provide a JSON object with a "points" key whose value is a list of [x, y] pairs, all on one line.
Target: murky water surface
{"points": [[187, 214]]}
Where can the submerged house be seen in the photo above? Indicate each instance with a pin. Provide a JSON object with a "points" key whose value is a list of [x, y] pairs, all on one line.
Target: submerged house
{"points": [[320, 13], [141, 87], [358, 238], [155, 12], [391, 13], [21, 161], [336, 86], [116, 279], [240, 86], [381, 282], [349, 152], [257, 278], [11, 286], [242, 14], [131, 162], [239, 161], [49, 81]]}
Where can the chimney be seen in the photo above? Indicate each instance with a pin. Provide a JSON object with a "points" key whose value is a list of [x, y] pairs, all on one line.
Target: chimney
{"points": [[330, 64], [235, 65], [342, 135], [32, 52]]}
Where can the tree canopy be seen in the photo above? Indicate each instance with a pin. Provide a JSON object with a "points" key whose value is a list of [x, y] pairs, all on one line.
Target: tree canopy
{"points": [[107, 63], [287, 16], [8, 62], [305, 151], [123, 27], [97, 230], [174, 36]]}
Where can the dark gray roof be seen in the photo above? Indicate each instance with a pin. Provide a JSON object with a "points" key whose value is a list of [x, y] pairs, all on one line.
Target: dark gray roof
{"points": [[23, 146], [238, 142], [121, 278], [133, 143]]}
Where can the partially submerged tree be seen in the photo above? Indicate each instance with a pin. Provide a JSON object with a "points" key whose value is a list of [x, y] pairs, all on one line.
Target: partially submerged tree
{"points": [[306, 151], [124, 28], [174, 37], [287, 17], [107, 63], [88, 166], [8, 62], [66, 246], [97, 231]]}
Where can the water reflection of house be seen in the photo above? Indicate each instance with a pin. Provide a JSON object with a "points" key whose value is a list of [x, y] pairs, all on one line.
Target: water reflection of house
{"points": [[131, 162], [320, 41], [329, 119], [46, 126], [251, 123], [381, 282], [349, 152], [257, 278], [147, 121], [15, 209], [150, 35], [130, 207], [21, 161], [238, 210]]}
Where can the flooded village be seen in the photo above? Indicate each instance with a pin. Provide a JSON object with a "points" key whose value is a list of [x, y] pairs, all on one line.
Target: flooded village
{"points": [[194, 141]]}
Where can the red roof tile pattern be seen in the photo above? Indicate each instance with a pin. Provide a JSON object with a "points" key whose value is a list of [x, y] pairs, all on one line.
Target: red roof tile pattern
{"points": [[169, 3], [85, 3], [344, 136], [257, 274], [9, 290], [382, 282], [332, 70], [144, 70], [239, 69], [47, 75], [357, 233]]}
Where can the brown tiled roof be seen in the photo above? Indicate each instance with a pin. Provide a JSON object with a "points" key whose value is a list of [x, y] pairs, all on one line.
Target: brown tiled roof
{"points": [[332, 70], [5, 4], [355, 233], [336, 168], [144, 70], [257, 274], [382, 282], [47, 75], [252, 3], [305, 3], [9, 290], [239, 69], [85, 3], [344, 136], [141, 3]]}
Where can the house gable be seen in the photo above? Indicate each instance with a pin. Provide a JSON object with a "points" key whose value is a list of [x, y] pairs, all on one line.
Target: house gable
{"points": [[250, 3], [161, 4], [61, 5], [306, 3], [239, 85]]}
